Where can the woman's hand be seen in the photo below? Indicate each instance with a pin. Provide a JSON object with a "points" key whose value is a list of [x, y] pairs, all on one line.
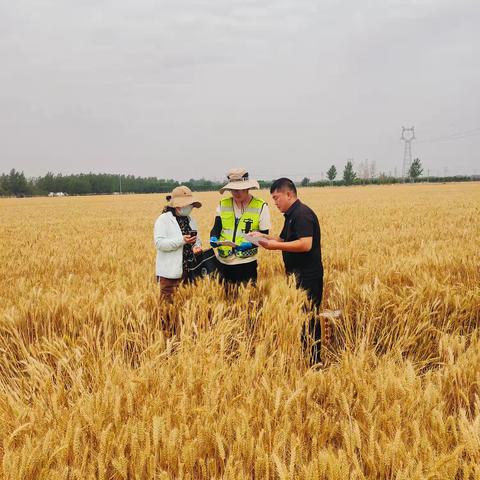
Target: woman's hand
{"points": [[197, 250], [190, 240]]}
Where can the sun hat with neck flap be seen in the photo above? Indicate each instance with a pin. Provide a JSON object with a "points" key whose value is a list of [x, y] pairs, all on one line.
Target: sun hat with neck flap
{"points": [[182, 196], [238, 179]]}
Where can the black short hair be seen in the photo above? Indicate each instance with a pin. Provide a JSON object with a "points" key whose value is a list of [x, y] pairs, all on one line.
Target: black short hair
{"points": [[283, 184]]}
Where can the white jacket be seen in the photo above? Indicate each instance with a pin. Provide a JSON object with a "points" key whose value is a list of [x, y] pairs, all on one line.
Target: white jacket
{"points": [[169, 243]]}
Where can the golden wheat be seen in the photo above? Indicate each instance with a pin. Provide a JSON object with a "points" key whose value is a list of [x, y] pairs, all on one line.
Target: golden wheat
{"points": [[92, 384]]}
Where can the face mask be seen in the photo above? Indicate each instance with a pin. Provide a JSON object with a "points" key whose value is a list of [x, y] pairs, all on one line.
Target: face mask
{"points": [[185, 211]]}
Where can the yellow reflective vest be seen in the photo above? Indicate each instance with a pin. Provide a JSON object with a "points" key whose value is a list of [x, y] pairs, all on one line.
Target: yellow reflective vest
{"points": [[234, 231]]}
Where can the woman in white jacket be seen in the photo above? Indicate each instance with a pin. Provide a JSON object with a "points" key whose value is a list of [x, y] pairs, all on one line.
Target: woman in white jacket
{"points": [[176, 240]]}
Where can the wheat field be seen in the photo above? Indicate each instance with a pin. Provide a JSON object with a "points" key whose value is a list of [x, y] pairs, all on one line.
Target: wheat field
{"points": [[92, 385]]}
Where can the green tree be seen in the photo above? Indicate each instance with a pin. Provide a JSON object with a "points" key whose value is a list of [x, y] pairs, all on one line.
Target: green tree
{"points": [[77, 185], [349, 175], [3, 185], [415, 169], [46, 184], [332, 173], [305, 182], [17, 183]]}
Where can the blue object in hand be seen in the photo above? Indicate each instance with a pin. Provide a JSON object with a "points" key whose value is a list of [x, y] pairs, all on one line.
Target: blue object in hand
{"points": [[213, 242], [244, 246]]}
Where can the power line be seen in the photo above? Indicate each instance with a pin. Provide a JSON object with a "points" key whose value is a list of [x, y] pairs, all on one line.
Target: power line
{"points": [[453, 136]]}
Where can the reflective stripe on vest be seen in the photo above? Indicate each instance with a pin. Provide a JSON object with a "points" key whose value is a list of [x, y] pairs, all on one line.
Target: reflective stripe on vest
{"points": [[247, 210], [250, 220]]}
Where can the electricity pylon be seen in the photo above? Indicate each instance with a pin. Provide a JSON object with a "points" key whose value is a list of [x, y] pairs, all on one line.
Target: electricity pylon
{"points": [[408, 134]]}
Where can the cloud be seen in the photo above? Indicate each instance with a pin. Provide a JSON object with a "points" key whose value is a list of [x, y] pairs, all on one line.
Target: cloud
{"points": [[127, 82]]}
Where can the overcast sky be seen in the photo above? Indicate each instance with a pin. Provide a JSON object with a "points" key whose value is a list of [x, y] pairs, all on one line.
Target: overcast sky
{"points": [[189, 88]]}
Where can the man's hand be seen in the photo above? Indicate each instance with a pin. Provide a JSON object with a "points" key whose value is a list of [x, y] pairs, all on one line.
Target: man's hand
{"points": [[301, 245], [197, 250], [267, 236], [213, 242], [269, 244]]}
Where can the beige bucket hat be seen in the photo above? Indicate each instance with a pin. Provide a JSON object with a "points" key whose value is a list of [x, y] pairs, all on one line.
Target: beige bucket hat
{"points": [[182, 196], [238, 180]]}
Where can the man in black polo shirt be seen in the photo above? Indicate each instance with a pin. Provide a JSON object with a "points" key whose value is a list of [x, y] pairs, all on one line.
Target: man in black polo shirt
{"points": [[299, 242]]}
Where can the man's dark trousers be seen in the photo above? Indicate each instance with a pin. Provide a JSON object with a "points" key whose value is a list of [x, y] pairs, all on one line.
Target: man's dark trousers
{"points": [[239, 273], [311, 332]]}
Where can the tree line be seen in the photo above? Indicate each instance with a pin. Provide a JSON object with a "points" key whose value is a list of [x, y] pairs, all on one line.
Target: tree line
{"points": [[367, 171], [365, 174], [15, 183]]}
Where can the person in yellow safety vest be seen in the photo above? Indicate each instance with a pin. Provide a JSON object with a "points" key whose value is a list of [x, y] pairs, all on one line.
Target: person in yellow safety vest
{"points": [[237, 216]]}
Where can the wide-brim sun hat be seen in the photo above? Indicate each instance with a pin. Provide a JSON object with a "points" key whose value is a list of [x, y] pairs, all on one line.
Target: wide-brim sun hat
{"points": [[238, 179], [182, 196]]}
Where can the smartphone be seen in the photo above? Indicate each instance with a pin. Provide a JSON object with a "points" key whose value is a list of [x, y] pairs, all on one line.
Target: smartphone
{"points": [[193, 233]]}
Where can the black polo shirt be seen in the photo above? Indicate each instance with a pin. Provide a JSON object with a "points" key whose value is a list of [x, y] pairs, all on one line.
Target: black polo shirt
{"points": [[301, 221]]}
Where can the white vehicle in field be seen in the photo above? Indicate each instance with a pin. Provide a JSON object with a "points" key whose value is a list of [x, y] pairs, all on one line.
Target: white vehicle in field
{"points": [[58, 194]]}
